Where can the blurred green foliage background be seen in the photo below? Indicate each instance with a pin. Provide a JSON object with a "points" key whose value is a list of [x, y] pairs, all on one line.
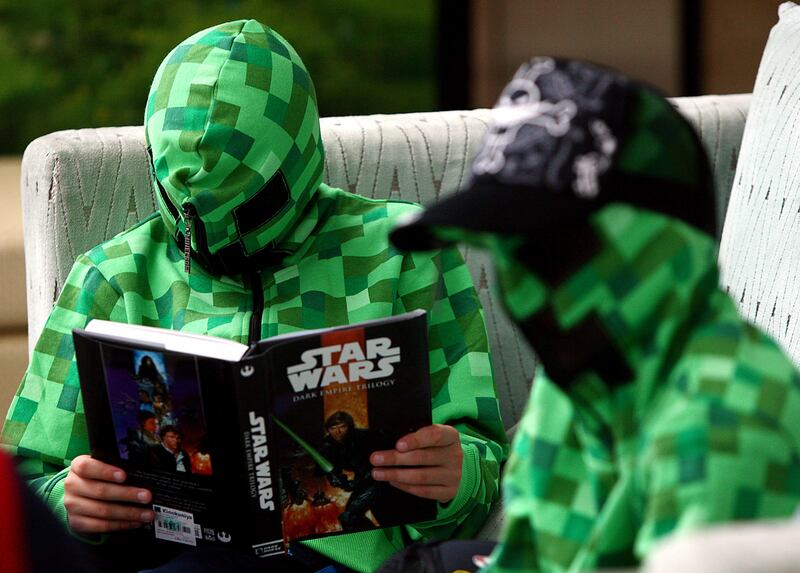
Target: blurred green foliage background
{"points": [[89, 63]]}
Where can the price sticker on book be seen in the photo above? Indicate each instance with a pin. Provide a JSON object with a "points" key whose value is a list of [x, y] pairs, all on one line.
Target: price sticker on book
{"points": [[174, 525]]}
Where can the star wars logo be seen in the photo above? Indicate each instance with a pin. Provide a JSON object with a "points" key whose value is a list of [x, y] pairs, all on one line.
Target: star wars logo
{"points": [[317, 368], [262, 474]]}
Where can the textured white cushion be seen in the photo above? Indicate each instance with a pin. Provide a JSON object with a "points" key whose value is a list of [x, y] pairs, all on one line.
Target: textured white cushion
{"points": [[719, 121], [760, 250], [765, 547]]}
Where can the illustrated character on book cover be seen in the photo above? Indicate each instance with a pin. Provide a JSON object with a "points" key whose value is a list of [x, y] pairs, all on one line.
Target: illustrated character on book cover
{"points": [[157, 410], [326, 433], [348, 448]]}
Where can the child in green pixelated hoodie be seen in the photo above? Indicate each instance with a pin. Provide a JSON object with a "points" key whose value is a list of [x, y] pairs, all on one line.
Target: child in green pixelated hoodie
{"points": [[658, 410], [249, 244]]}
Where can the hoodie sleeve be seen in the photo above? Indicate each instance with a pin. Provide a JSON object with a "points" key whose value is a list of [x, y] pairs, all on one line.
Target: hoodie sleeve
{"points": [[462, 386], [45, 427]]}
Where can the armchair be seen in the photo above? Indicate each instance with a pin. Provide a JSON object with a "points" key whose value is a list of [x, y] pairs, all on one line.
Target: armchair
{"points": [[81, 187]]}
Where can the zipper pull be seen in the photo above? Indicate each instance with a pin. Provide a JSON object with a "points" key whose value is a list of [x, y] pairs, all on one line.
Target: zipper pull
{"points": [[188, 215]]}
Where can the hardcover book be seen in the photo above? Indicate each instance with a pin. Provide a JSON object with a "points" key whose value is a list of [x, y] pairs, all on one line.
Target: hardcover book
{"points": [[257, 446]]}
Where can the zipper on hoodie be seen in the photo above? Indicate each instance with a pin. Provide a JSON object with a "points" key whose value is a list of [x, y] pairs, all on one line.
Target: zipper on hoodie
{"points": [[258, 308], [188, 216], [255, 280]]}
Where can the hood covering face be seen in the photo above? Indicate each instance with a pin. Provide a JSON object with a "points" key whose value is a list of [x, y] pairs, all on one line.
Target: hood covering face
{"points": [[233, 131]]}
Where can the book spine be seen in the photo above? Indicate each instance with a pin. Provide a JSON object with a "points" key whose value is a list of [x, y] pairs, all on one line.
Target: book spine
{"points": [[262, 483]]}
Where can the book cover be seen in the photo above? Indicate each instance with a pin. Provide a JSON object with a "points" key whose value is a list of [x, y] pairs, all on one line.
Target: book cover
{"points": [[338, 397], [265, 449]]}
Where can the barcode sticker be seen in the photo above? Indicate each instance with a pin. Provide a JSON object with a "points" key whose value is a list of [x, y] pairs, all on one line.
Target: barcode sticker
{"points": [[174, 525]]}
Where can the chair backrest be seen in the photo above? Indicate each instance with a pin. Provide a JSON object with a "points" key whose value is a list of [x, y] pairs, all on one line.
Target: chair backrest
{"points": [[81, 187]]}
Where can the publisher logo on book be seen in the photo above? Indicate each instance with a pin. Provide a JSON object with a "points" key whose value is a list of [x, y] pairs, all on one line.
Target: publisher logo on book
{"points": [[317, 368]]}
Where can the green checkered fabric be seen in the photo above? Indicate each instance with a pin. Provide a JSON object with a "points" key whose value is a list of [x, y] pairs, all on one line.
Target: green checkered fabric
{"points": [[229, 108], [705, 433], [342, 270], [657, 144], [232, 108], [658, 410]]}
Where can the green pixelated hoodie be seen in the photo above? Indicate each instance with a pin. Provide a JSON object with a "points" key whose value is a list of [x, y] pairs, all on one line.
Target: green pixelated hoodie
{"points": [[657, 410], [233, 131], [705, 430]]}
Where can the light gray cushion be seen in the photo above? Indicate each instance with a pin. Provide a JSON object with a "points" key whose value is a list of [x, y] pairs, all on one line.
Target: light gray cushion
{"points": [[764, 547], [720, 121], [760, 250]]}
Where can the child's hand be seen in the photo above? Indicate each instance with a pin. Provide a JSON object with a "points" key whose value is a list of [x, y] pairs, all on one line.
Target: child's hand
{"points": [[97, 502], [435, 454]]}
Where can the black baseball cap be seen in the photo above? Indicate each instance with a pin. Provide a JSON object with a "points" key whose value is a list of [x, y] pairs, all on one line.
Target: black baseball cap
{"points": [[566, 138]]}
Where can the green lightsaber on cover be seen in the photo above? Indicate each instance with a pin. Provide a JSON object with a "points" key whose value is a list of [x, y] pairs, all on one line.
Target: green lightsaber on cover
{"points": [[657, 410], [318, 458]]}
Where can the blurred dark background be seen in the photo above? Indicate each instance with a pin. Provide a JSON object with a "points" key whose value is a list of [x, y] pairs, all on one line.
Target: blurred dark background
{"points": [[89, 63]]}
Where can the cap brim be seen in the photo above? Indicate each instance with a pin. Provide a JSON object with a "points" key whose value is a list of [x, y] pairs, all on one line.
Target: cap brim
{"points": [[490, 208]]}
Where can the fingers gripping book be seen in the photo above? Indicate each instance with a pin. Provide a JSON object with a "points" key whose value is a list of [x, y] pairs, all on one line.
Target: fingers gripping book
{"points": [[257, 446]]}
